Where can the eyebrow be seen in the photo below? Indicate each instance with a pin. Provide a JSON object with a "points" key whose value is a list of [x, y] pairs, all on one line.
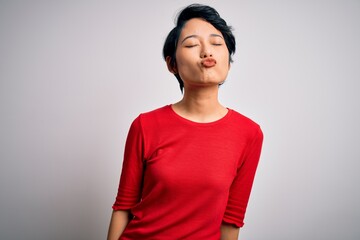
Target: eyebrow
{"points": [[197, 36]]}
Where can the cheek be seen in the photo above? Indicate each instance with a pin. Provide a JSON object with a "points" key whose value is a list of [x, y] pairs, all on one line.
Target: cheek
{"points": [[224, 68], [226, 62], [184, 62], [179, 60]]}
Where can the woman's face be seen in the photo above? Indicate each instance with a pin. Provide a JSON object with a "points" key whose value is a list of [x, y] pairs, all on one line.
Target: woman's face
{"points": [[202, 58]]}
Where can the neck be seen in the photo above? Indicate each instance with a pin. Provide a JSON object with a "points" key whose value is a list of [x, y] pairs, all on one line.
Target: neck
{"points": [[200, 105]]}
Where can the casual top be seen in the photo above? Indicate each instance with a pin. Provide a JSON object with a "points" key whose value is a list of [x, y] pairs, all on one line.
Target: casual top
{"points": [[181, 179]]}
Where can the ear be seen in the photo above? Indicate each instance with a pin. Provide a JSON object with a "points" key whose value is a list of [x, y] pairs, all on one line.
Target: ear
{"points": [[172, 69]]}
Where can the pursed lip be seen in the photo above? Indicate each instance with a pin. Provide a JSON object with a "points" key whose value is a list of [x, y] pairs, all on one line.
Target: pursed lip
{"points": [[208, 62]]}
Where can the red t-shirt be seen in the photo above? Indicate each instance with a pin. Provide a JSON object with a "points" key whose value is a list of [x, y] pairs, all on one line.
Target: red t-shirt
{"points": [[181, 179]]}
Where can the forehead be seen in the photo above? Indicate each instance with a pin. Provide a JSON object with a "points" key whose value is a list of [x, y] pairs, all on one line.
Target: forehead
{"points": [[198, 26]]}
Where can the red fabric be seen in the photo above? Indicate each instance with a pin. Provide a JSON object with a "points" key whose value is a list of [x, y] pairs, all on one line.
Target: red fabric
{"points": [[181, 179]]}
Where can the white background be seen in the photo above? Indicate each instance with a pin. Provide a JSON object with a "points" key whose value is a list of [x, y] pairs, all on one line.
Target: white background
{"points": [[74, 74]]}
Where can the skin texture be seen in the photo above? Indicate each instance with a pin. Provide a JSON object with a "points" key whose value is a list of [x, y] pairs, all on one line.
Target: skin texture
{"points": [[118, 222], [229, 232], [202, 61]]}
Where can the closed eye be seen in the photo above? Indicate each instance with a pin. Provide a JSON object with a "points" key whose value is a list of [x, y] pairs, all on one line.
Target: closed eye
{"points": [[191, 46]]}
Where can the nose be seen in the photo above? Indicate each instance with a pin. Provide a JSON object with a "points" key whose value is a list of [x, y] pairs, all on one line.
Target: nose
{"points": [[206, 52]]}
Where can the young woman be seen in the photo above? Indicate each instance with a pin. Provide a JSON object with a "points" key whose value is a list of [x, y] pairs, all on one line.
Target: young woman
{"points": [[188, 167]]}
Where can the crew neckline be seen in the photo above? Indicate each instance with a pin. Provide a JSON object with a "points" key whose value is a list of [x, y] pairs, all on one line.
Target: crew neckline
{"points": [[188, 121]]}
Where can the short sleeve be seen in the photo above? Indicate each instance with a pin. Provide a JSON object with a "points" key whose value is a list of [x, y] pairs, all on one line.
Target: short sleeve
{"points": [[241, 186], [129, 191]]}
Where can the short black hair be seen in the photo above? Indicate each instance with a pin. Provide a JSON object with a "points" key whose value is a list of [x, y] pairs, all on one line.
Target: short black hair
{"points": [[206, 13]]}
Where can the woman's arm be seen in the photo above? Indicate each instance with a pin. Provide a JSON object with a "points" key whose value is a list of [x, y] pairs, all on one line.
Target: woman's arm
{"points": [[118, 222], [229, 232]]}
